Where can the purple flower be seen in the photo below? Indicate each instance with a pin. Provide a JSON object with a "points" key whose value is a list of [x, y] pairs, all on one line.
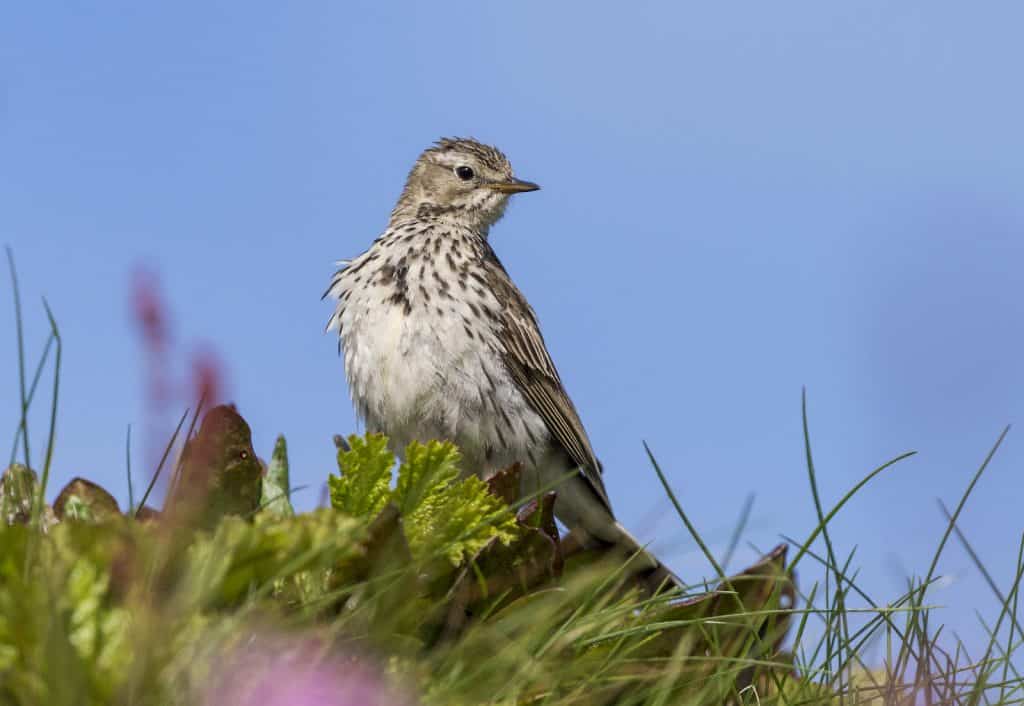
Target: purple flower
{"points": [[289, 673]]}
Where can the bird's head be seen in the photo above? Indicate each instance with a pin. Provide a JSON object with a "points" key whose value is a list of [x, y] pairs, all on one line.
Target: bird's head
{"points": [[460, 179]]}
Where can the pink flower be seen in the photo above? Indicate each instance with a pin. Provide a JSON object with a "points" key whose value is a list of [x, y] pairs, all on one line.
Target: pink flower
{"points": [[289, 673], [149, 310], [207, 377]]}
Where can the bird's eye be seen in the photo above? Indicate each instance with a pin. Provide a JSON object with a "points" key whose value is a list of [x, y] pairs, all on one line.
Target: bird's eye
{"points": [[465, 173], [243, 454]]}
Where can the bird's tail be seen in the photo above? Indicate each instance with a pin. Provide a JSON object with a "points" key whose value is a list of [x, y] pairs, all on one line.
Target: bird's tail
{"points": [[655, 576]]}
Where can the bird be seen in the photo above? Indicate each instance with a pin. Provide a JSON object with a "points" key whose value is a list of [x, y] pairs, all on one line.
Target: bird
{"points": [[439, 343]]}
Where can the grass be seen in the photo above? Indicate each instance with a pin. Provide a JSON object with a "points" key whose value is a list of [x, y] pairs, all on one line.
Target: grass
{"points": [[130, 612]]}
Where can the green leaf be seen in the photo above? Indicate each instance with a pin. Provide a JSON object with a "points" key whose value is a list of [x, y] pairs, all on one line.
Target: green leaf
{"points": [[84, 501], [276, 488], [243, 557], [220, 472], [363, 488], [427, 471], [445, 516], [17, 489], [97, 631], [471, 517]]}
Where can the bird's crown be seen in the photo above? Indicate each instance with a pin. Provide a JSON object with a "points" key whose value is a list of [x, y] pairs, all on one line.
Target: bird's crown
{"points": [[450, 149]]}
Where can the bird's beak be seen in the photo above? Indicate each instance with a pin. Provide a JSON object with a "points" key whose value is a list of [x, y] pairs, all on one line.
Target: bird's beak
{"points": [[512, 186]]}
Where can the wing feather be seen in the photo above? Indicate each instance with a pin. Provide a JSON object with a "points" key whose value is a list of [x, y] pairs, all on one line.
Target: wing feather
{"points": [[530, 365]]}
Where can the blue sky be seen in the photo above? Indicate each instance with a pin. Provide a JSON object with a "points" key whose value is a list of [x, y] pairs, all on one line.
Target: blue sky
{"points": [[738, 201]]}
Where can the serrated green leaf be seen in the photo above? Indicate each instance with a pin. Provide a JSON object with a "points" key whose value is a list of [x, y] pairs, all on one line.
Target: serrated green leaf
{"points": [[427, 471], [463, 519], [443, 515], [97, 631], [241, 557], [363, 488]]}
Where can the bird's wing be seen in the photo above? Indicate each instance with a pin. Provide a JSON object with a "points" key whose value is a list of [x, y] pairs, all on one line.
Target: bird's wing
{"points": [[530, 365]]}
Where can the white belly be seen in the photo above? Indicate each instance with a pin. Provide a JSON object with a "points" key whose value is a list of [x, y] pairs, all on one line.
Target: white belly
{"points": [[421, 376]]}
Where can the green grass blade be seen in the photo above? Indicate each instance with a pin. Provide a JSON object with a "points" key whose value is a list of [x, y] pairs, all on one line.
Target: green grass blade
{"points": [[163, 459], [18, 321], [982, 569], [37, 510], [843, 500], [128, 469], [737, 533], [719, 571], [176, 476], [23, 421], [960, 505]]}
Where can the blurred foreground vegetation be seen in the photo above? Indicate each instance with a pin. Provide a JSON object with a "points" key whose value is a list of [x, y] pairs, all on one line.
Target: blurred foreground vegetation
{"points": [[419, 585]]}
